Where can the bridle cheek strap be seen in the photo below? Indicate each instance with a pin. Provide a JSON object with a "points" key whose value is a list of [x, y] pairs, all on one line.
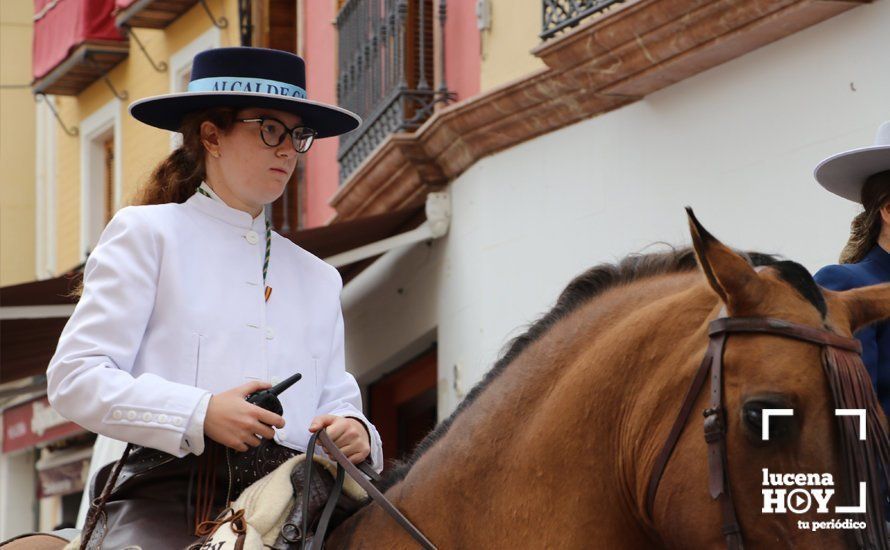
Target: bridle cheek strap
{"points": [[715, 436], [715, 415]]}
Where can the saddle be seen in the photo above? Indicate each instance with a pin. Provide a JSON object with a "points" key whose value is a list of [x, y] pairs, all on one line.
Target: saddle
{"points": [[319, 503], [316, 499], [279, 509]]}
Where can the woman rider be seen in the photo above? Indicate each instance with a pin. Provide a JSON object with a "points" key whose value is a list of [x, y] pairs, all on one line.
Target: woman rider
{"points": [[190, 302], [863, 175]]}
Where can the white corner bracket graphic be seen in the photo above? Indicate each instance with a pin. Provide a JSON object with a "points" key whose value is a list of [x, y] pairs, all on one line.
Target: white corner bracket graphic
{"points": [[438, 219], [767, 413], [854, 412], [860, 509]]}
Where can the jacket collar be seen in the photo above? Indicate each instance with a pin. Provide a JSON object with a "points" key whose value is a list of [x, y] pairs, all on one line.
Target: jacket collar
{"points": [[880, 257], [218, 209]]}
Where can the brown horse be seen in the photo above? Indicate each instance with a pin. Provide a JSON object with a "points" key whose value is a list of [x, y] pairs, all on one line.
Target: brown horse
{"points": [[556, 446]]}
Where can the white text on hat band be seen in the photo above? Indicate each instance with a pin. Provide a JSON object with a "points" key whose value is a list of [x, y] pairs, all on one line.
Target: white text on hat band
{"points": [[240, 84]]}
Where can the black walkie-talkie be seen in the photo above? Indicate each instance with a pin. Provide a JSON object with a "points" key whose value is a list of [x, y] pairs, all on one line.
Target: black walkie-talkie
{"points": [[268, 399]]}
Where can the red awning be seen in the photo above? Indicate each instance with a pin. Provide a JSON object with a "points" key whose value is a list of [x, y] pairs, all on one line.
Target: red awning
{"points": [[62, 25]]}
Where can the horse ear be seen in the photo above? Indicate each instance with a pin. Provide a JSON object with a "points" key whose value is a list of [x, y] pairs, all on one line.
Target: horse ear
{"points": [[867, 304], [729, 274]]}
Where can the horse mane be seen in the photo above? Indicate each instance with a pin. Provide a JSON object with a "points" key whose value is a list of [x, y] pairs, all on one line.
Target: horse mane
{"points": [[583, 288]]}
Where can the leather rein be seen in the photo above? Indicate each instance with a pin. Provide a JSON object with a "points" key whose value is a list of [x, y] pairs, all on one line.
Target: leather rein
{"points": [[344, 465], [715, 414]]}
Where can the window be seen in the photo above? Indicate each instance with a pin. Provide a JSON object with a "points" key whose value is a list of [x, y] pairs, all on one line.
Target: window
{"points": [[282, 26], [100, 172], [386, 76]]}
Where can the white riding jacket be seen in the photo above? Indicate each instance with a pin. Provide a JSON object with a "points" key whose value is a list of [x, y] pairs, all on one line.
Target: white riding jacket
{"points": [[173, 310]]}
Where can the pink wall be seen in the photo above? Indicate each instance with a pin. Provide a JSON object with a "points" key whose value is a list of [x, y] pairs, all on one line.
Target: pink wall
{"points": [[319, 50], [462, 75], [463, 64]]}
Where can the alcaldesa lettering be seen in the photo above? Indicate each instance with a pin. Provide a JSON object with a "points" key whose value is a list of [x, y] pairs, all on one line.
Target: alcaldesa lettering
{"points": [[256, 87], [801, 493]]}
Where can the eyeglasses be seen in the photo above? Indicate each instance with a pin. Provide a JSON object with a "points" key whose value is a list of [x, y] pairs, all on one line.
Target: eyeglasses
{"points": [[273, 132]]}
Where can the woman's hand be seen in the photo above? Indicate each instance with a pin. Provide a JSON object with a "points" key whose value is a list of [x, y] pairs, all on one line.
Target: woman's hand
{"points": [[235, 423], [348, 434]]}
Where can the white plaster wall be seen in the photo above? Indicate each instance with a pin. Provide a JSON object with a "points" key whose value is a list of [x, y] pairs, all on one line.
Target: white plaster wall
{"points": [[738, 143]]}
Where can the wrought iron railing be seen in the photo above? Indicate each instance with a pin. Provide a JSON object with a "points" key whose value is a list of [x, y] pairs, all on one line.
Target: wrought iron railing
{"points": [[386, 53], [562, 14]]}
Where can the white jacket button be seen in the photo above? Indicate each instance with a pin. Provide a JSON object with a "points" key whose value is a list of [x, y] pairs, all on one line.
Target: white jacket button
{"points": [[117, 415], [252, 237], [146, 417], [131, 415], [162, 418], [177, 421], [270, 333]]}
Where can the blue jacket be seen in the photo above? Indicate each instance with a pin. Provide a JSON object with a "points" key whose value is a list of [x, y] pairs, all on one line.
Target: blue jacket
{"points": [[873, 269]]}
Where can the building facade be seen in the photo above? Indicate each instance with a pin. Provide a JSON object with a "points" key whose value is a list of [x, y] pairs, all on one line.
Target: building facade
{"points": [[576, 162], [72, 156], [530, 142]]}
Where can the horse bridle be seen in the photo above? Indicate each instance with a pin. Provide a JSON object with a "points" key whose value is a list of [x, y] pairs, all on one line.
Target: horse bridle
{"points": [[715, 415]]}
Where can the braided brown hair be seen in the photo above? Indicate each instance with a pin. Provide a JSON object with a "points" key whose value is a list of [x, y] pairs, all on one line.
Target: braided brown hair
{"points": [[866, 227], [177, 177]]}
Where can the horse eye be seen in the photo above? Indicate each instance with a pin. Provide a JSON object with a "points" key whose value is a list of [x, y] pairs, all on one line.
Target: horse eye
{"points": [[753, 418], [781, 428]]}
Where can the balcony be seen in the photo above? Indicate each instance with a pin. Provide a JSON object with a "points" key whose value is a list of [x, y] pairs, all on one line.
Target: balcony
{"points": [[564, 14], [386, 71], [155, 14], [75, 44]]}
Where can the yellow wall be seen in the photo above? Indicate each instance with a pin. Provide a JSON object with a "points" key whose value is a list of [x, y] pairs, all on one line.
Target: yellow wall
{"points": [[515, 25], [142, 146], [17, 139]]}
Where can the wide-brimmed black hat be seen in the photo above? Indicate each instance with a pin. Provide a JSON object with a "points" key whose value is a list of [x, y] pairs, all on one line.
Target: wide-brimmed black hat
{"points": [[246, 77]]}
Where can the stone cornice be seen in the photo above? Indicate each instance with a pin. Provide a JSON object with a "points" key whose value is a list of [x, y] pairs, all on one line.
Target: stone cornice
{"points": [[633, 50]]}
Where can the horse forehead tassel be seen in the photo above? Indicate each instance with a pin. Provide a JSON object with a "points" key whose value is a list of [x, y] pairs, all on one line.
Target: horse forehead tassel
{"points": [[852, 389]]}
